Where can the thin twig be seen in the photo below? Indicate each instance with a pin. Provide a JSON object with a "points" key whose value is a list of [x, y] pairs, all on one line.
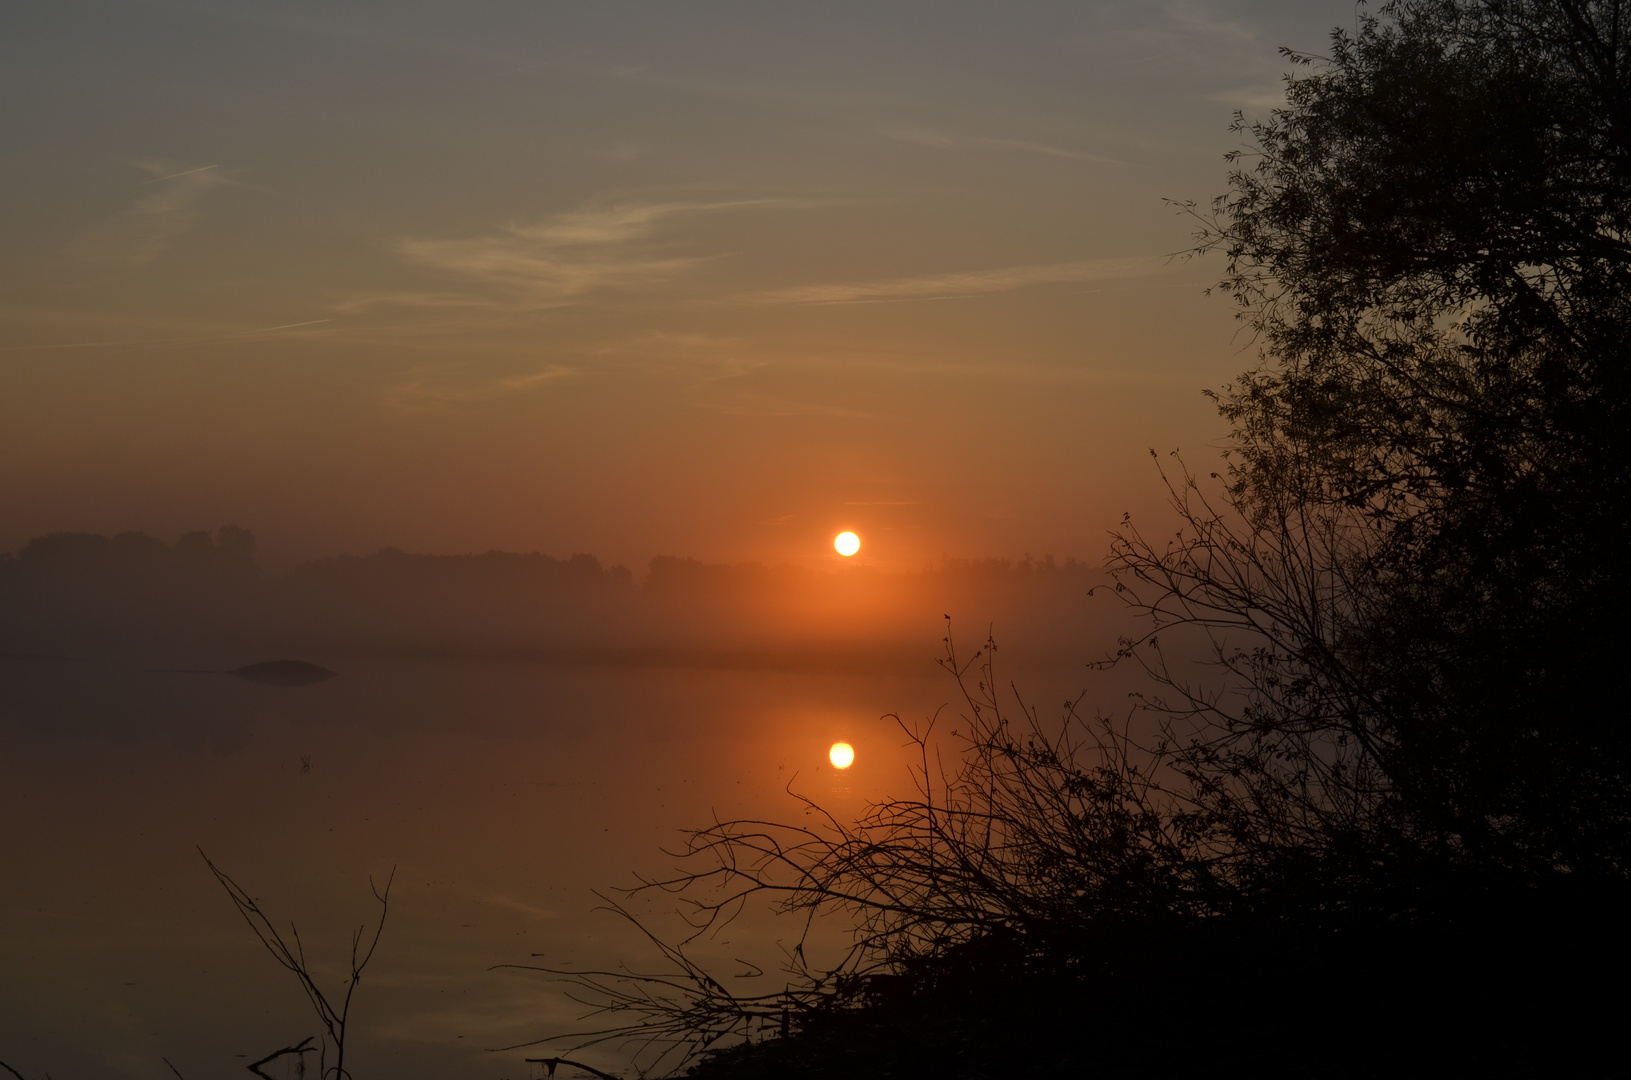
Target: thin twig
{"points": [[299, 1048], [551, 1062]]}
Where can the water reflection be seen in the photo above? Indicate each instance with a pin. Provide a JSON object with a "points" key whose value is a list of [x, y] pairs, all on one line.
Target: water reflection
{"points": [[504, 792]]}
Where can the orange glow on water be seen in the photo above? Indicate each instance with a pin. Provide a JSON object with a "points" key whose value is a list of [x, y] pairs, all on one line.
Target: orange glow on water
{"points": [[842, 755]]}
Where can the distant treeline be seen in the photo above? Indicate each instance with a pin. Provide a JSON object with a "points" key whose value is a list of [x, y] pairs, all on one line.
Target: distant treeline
{"points": [[69, 592]]}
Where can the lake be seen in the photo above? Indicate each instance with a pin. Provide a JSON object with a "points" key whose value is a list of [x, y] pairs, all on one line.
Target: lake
{"points": [[504, 793]]}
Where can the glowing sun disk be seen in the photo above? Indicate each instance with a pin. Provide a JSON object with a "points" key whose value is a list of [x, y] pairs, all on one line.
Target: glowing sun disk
{"points": [[846, 543], [842, 755]]}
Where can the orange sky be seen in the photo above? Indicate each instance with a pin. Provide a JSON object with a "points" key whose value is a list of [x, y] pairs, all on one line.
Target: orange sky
{"points": [[705, 279]]}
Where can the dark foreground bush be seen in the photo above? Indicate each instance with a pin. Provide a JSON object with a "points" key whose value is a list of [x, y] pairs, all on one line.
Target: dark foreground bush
{"points": [[1517, 989]]}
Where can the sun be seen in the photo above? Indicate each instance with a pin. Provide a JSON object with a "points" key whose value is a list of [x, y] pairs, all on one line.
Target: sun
{"points": [[842, 755], [846, 544]]}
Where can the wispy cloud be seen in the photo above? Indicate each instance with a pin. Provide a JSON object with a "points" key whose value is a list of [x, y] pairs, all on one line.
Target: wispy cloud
{"points": [[139, 234], [1046, 150], [709, 356], [184, 172], [1233, 49], [288, 326], [741, 402], [1258, 97], [1199, 19], [149, 333], [573, 255], [427, 391], [967, 283], [363, 303], [940, 141], [1216, 50]]}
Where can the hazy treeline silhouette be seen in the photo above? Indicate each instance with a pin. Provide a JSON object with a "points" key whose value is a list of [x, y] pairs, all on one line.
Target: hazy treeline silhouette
{"points": [[69, 593], [85, 590]]}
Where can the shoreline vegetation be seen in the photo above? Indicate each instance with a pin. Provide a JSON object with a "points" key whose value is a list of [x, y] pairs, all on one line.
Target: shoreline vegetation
{"points": [[1057, 899]]}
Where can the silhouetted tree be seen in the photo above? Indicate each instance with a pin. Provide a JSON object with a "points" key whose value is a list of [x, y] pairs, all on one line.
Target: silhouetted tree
{"points": [[1390, 814], [1422, 558]]}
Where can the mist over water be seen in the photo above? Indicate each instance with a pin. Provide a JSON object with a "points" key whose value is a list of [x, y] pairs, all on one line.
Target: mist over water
{"points": [[204, 602], [504, 764]]}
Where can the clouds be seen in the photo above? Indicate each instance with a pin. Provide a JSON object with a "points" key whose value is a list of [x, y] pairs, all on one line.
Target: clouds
{"points": [[166, 209], [596, 253], [939, 141], [429, 390], [967, 283], [567, 258], [1233, 51]]}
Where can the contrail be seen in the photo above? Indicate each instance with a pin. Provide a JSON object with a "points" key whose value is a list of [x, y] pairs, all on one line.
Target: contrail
{"points": [[189, 172], [287, 326]]}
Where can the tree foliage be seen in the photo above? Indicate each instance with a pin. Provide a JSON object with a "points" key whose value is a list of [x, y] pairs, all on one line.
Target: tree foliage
{"points": [[1430, 243]]}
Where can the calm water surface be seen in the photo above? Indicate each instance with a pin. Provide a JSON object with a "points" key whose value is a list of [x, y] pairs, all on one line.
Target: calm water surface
{"points": [[503, 793]]}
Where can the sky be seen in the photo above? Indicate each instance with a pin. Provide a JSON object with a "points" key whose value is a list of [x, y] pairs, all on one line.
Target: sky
{"points": [[692, 278]]}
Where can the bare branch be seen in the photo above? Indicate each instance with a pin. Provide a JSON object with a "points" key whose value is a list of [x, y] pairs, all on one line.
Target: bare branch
{"points": [[293, 960]]}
